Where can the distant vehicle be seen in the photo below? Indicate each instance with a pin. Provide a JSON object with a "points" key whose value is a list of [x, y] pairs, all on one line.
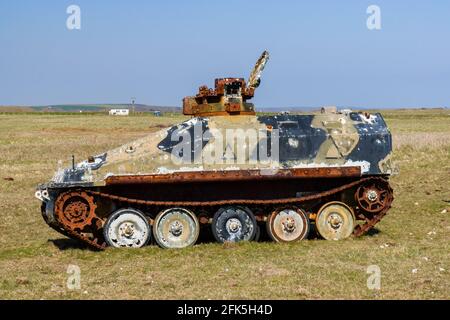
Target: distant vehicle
{"points": [[119, 112], [157, 113], [285, 113]]}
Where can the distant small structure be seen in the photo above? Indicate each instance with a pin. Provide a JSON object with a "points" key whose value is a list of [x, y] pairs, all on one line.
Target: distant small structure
{"points": [[119, 112], [346, 111], [328, 109], [157, 113]]}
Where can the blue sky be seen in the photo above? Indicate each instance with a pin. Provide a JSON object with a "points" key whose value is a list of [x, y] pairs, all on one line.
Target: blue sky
{"points": [[321, 51]]}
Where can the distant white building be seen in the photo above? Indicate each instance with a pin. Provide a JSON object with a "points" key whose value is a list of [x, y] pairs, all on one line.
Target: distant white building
{"points": [[119, 112]]}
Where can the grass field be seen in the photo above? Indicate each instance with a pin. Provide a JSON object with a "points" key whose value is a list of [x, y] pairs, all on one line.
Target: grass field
{"points": [[411, 247]]}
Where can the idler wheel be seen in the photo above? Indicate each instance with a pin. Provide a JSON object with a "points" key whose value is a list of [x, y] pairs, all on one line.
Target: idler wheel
{"points": [[75, 209], [176, 228], [288, 224], [127, 228], [373, 197], [234, 224], [335, 221]]}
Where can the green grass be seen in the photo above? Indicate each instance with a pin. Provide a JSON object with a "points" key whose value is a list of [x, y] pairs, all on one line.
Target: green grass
{"points": [[415, 235]]}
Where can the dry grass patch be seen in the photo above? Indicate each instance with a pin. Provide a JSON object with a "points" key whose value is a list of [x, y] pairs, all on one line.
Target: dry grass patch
{"points": [[413, 236]]}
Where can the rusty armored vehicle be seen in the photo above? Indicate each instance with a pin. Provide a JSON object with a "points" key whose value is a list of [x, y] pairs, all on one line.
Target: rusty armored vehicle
{"points": [[231, 172]]}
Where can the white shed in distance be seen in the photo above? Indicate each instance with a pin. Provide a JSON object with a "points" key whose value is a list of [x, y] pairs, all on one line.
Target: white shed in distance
{"points": [[119, 112]]}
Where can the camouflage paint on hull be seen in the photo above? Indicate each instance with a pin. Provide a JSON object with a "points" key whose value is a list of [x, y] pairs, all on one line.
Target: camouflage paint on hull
{"points": [[305, 141]]}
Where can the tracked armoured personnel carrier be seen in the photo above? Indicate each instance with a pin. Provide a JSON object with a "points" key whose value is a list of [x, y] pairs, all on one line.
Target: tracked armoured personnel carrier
{"points": [[231, 171]]}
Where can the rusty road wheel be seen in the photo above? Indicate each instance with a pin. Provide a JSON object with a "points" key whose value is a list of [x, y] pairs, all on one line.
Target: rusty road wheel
{"points": [[176, 228], [335, 221], [127, 228], [234, 224], [288, 224]]}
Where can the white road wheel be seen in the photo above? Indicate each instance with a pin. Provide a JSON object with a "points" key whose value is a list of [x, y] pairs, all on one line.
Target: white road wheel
{"points": [[176, 228], [127, 228], [335, 221]]}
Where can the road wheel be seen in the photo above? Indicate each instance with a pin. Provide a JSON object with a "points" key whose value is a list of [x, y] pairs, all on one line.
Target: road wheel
{"points": [[176, 228], [335, 221], [234, 224], [127, 228], [288, 224]]}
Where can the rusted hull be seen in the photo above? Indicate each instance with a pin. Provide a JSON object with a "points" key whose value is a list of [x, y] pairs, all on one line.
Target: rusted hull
{"points": [[236, 175], [223, 190]]}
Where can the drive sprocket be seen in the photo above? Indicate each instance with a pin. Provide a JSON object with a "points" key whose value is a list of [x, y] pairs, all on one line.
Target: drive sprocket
{"points": [[75, 209]]}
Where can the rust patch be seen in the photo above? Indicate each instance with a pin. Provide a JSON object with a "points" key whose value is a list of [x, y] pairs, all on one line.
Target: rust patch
{"points": [[236, 175]]}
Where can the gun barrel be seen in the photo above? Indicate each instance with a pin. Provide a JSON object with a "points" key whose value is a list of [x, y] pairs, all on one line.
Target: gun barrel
{"points": [[255, 76]]}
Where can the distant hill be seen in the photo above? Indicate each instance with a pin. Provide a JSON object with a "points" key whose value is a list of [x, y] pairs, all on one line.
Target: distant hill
{"points": [[290, 109], [88, 108], [76, 108], [137, 107], [355, 108]]}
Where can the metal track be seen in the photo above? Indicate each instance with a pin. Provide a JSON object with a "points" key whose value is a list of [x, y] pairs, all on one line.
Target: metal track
{"points": [[370, 219]]}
